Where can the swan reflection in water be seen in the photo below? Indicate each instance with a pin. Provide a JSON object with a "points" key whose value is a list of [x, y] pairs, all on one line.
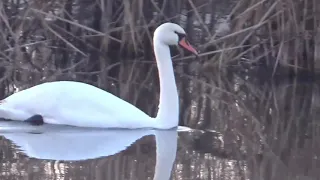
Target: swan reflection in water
{"points": [[54, 142]]}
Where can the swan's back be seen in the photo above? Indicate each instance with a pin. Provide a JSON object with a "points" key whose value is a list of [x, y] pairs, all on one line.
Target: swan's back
{"points": [[79, 104]]}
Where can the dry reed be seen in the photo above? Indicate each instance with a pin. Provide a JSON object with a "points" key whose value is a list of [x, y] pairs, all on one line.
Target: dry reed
{"points": [[108, 43]]}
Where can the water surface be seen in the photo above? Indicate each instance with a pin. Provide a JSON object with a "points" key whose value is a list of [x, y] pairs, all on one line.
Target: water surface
{"points": [[62, 152]]}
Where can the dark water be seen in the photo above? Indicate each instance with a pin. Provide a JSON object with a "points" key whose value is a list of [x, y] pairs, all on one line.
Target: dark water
{"points": [[56, 152]]}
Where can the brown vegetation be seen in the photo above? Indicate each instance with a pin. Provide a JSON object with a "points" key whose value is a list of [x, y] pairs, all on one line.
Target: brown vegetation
{"points": [[282, 36], [98, 41]]}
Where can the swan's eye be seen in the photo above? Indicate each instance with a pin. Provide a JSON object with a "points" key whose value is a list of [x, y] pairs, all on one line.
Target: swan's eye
{"points": [[180, 35]]}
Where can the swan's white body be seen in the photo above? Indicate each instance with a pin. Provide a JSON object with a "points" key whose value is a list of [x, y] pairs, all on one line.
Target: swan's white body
{"points": [[79, 104], [76, 104]]}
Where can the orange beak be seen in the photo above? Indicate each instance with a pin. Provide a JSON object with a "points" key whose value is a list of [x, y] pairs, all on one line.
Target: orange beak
{"points": [[185, 44]]}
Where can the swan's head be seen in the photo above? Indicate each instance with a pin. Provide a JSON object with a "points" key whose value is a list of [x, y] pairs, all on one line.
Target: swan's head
{"points": [[172, 34]]}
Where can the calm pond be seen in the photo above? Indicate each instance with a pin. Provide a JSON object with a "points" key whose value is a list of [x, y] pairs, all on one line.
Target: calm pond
{"points": [[274, 136]]}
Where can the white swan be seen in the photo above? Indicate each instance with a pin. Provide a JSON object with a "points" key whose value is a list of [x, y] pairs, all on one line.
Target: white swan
{"points": [[79, 104]]}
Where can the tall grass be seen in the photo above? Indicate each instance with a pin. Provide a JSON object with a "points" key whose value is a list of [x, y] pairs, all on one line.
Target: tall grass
{"points": [[88, 39], [281, 36]]}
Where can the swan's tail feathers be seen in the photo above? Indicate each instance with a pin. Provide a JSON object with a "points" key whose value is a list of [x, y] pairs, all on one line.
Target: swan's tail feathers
{"points": [[35, 120], [4, 113], [2, 101]]}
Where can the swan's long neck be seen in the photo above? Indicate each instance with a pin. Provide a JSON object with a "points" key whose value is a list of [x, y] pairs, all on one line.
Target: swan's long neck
{"points": [[168, 113]]}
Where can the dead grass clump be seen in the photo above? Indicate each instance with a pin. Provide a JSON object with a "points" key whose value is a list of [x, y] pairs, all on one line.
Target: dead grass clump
{"points": [[272, 34], [86, 41]]}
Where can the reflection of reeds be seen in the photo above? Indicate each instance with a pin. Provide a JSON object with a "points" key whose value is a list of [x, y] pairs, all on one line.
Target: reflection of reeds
{"points": [[276, 120]]}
